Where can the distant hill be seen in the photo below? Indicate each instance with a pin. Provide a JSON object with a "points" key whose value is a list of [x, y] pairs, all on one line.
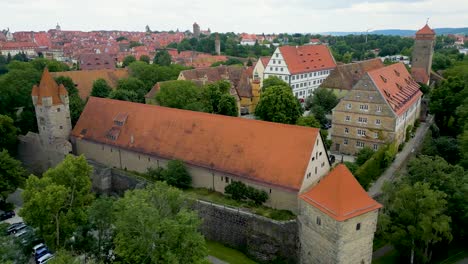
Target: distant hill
{"points": [[402, 32]]}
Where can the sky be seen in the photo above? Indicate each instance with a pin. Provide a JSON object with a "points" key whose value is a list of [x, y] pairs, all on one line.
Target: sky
{"points": [[251, 16]]}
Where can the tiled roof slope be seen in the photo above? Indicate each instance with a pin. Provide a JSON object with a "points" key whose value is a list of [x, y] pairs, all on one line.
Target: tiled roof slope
{"points": [[340, 195], [265, 60], [397, 86], [96, 61], [345, 76], [48, 88], [84, 79], [270, 153], [307, 58], [426, 30]]}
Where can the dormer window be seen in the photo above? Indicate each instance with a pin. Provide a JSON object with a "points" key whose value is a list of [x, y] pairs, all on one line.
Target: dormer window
{"points": [[383, 79]]}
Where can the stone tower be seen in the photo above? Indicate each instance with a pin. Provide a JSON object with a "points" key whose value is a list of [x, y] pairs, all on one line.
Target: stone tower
{"points": [[52, 112], [58, 27], [217, 45], [196, 30], [337, 220], [423, 49]]}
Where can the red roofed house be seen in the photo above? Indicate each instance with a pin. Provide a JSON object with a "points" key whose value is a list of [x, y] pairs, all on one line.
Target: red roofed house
{"points": [[336, 217], [13, 48], [377, 110], [259, 69], [304, 68], [337, 202], [423, 50]]}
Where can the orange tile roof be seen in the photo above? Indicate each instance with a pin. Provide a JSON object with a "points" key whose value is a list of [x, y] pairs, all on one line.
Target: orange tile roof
{"points": [[48, 88], [269, 153], [307, 58], [340, 196], [84, 79], [397, 86], [426, 30], [265, 60]]}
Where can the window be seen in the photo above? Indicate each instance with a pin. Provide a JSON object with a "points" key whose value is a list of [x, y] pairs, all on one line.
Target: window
{"points": [[379, 108], [376, 147], [293, 77], [286, 77], [315, 170], [362, 119], [317, 142], [61, 127], [276, 68], [346, 130], [296, 94], [308, 175], [361, 132], [348, 106], [358, 226], [149, 159], [320, 154], [315, 82], [377, 121], [277, 55], [274, 62], [271, 68], [58, 109], [281, 69], [359, 144], [227, 179], [315, 73], [347, 118], [376, 135], [345, 141], [364, 107], [319, 221], [323, 164]]}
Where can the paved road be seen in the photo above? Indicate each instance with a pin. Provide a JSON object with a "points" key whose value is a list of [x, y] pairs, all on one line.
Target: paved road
{"points": [[401, 157], [215, 260]]}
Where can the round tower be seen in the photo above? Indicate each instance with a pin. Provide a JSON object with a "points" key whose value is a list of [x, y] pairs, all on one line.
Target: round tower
{"points": [[196, 30], [217, 45]]}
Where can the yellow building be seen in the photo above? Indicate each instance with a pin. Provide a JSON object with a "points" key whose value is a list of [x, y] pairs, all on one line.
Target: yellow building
{"points": [[377, 110]]}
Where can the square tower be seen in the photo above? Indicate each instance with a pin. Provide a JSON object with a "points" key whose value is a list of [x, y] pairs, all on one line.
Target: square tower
{"points": [[337, 220], [423, 50], [51, 104]]}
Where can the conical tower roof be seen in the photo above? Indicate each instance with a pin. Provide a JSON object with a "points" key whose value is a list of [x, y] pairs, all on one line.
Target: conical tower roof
{"points": [[48, 87]]}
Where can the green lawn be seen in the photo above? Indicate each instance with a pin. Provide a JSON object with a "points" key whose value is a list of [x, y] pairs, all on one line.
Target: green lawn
{"points": [[218, 198], [226, 254]]}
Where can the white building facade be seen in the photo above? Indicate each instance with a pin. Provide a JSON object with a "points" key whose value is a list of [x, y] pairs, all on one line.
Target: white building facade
{"points": [[304, 68]]}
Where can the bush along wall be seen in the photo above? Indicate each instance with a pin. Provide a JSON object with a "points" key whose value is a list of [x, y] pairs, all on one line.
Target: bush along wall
{"points": [[240, 192], [376, 165]]}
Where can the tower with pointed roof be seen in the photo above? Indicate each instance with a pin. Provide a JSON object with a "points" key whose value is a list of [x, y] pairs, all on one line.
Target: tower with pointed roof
{"points": [[423, 50], [338, 220], [196, 30], [217, 45], [51, 104], [57, 27]]}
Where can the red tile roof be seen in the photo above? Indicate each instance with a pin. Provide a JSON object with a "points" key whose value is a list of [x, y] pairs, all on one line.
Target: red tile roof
{"points": [[345, 76], [397, 86], [307, 58], [48, 88], [269, 153], [340, 196], [265, 60], [96, 61], [18, 45], [426, 30], [84, 79]]}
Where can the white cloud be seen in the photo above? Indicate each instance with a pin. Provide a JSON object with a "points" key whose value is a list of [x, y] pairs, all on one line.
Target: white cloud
{"points": [[238, 15]]}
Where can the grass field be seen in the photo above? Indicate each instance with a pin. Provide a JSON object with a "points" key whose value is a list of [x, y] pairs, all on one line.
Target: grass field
{"points": [[226, 254]]}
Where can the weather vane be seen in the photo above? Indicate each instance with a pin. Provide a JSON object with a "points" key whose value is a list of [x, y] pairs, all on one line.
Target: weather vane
{"points": [[427, 21]]}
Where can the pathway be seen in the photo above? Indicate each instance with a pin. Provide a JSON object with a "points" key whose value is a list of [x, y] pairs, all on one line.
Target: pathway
{"points": [[215, 260], [401, 157]]}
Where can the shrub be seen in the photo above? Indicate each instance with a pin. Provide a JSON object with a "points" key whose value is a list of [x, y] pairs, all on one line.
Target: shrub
{"points": [[409, 132], [351, 166], [363, 155], [257, 196], [177, 175], [155, 174], [237, 190]]}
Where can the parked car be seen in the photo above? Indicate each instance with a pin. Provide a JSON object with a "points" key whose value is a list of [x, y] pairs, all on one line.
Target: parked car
{"points": [[40, 253], [332, 159], [45, 258], [37, 247], [16, 228], [7, 215], [327, 126], [13, 226]]}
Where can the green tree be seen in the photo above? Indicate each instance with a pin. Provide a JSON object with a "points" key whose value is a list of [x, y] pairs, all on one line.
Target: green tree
{"points": [[56, 203], [134, 85], [308, 121], [12, 174], [211, 95], [228, 105], [124, 95], [324, 98], [9, 133], [10, 249], [273, 81], [418, 220], [64, 257], [76, 108], [162, 58], [177, 175], [179, 94], [145, 58], [364, 155], [69, 85], [128, 60], [156, 225], [101, 217], [278, 104], [101, 88]]}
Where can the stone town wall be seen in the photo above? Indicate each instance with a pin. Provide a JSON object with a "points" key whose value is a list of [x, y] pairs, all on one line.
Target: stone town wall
{"points": [[263, 239]]}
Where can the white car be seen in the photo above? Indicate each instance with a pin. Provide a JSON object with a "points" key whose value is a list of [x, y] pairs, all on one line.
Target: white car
{"points": [[45, 258], [37, 247]]}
